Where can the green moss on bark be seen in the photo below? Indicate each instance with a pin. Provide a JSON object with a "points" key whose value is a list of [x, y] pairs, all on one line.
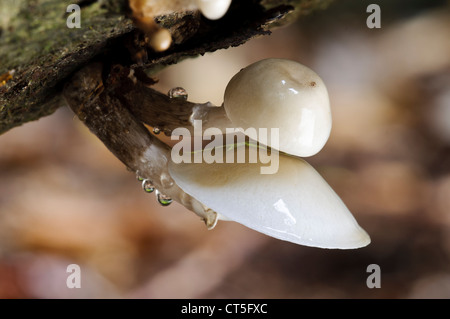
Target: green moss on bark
{"points": [[42, 51]]}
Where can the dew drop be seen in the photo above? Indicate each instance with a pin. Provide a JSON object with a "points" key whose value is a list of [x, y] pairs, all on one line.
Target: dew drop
{"points": [[178, 93], [156, 130], [147, 186], [139, 177], [164, 200]]}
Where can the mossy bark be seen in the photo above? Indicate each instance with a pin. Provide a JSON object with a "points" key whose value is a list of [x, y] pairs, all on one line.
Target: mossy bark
{"points": [[38, 52]]}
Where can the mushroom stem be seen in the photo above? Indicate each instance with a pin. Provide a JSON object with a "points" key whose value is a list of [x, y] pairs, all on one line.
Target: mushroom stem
{"points": [[211, 116], [159, 110], [101, 109]]}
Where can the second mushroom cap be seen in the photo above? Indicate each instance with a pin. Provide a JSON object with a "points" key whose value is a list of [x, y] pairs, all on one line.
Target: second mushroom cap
{"points": [[285, 95], [294, 204]]}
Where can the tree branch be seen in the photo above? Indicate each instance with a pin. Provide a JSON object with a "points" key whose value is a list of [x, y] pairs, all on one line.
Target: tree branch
{"points": [[159, 110], [99, 107]]}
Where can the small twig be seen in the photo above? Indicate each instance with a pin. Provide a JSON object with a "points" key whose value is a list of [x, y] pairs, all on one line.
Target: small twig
{"points": [[158, 110]]}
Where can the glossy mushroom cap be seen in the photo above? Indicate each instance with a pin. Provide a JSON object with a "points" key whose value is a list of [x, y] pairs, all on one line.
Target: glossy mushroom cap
{"points": [[294, 204], [283, 94]]}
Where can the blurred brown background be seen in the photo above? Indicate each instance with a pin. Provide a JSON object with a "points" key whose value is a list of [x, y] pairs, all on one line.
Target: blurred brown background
{"points": [[65, 199]]}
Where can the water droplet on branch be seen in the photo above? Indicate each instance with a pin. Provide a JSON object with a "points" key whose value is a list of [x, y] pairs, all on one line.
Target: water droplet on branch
{"points": [[147, 186], [164, 200]]}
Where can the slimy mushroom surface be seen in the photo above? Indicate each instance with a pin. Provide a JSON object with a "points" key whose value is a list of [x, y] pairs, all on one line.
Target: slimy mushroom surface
{"points": [[283, 94], [295, 204]]}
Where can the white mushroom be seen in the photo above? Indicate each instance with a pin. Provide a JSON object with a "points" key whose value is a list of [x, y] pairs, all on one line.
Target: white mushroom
{"points": [[213, 9], [160, 40], [284, 94], [294, 204], [144, 12], [272, 94]]}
